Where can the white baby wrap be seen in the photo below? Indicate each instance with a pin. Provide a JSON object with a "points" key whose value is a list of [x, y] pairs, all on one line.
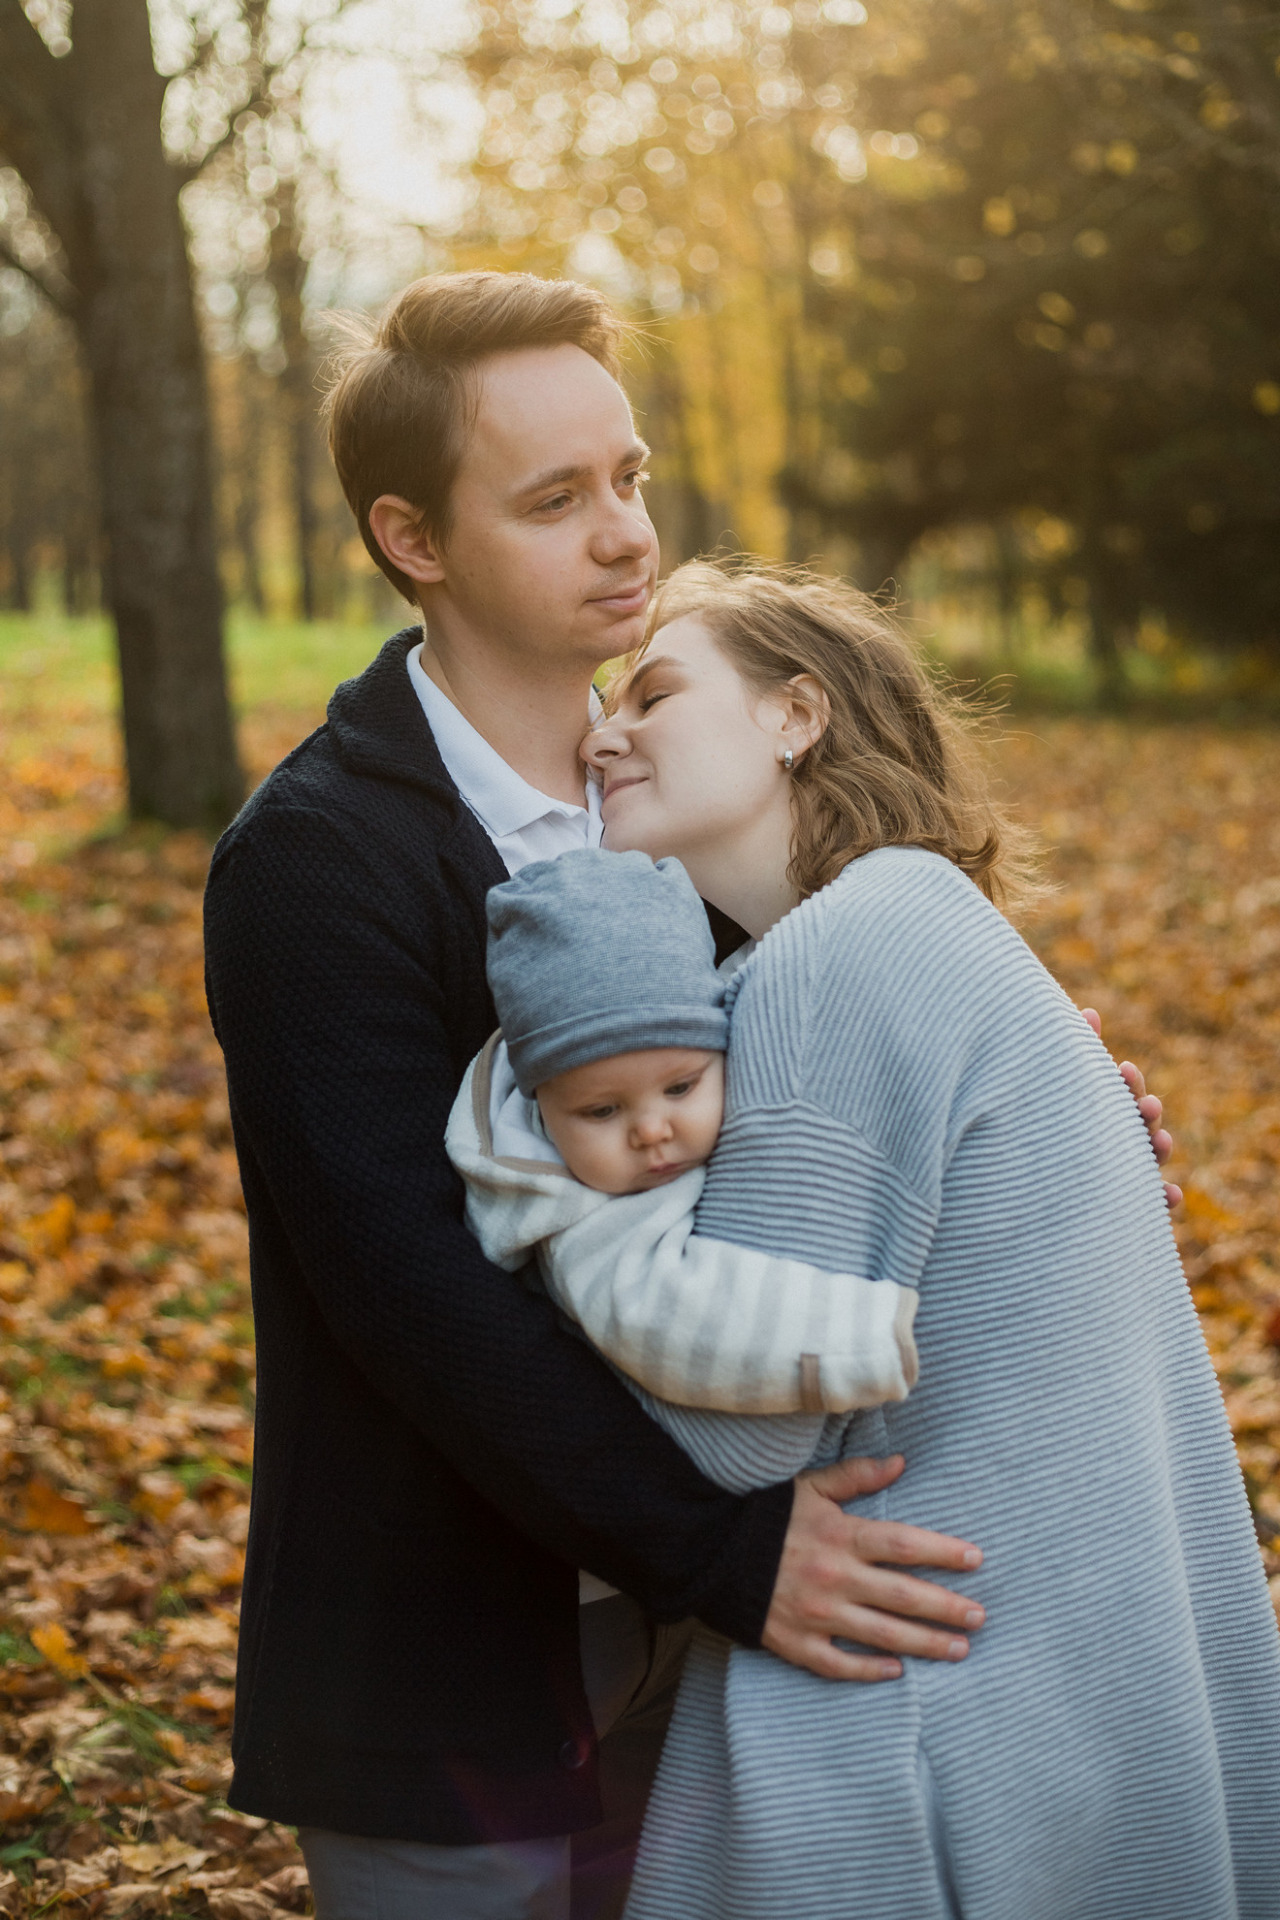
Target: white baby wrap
{"points": [[701, 1322]]}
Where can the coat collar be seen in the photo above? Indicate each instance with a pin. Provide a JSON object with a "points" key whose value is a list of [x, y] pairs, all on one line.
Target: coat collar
{"points": [[378, 726]]}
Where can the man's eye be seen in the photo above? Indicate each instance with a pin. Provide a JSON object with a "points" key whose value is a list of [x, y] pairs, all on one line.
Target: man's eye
{"points": [[638, 477], [554, 504]]}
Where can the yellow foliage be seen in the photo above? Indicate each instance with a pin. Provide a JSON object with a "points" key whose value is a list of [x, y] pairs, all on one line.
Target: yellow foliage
{"points": [[54, 1642]]}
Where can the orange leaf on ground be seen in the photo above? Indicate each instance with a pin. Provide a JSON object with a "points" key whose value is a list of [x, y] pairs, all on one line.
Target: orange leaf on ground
{"points": [[54, 1642], [42, 1509]]}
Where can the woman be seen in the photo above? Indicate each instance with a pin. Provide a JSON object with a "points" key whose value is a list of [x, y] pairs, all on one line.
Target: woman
{"points": [[1111, 1748]]}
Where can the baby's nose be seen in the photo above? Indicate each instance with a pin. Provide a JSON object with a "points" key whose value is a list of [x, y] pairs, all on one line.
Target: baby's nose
{"points": [[652, 1131]]}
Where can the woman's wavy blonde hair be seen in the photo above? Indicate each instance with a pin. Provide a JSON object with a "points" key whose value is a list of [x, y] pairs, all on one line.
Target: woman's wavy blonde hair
{"points": [[899, 762]]}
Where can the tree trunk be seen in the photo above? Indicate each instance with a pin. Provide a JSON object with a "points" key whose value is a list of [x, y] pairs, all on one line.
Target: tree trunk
{"points": [[19, 571], [1106, 625], [84, 131], [287, 271], [248, 484], [1008, 591], [150, 413]]}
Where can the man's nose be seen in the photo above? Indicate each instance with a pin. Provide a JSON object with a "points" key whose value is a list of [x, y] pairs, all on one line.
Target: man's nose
{"points": [[624, 532]]}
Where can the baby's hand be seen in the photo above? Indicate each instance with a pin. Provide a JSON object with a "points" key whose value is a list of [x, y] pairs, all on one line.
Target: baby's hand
{"points": [[1151, 1109]]}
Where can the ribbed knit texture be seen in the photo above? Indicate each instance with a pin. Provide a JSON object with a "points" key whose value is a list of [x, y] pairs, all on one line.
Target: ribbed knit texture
{"points": [[1111, 1748]]}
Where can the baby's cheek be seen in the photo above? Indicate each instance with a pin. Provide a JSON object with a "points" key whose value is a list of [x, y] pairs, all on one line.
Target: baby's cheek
{"points": [[707, 1133]]}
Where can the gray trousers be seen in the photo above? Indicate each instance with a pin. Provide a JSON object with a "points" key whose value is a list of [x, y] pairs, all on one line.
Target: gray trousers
{"points": [[631, 1669]]}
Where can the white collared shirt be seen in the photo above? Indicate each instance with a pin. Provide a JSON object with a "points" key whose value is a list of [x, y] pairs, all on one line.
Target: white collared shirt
{"points": [[523, 824]]}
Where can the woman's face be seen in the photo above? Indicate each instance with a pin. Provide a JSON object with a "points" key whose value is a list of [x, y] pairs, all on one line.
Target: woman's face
{"points": [[691, 764]]}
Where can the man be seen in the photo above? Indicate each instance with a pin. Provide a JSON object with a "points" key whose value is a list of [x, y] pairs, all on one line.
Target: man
{"points": [[437, 1454]]}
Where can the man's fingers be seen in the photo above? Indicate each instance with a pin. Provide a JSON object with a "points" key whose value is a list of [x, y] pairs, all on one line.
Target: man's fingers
{"points": [[1172, 1195], [1094, 1018], [1162, 1145], [885, 1631], [901, 1546], [1133, 1078], [847, 1479], [899, 1593], [830, 1662]]}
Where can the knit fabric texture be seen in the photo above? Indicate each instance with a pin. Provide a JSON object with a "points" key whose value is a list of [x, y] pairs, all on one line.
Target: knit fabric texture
{"points": [[437, 1453], [600, 953], [697, 1320], [1110, 1750]]}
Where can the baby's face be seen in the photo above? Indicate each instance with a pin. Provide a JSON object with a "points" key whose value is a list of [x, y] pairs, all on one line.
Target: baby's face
{"points": [[636, 1120]]}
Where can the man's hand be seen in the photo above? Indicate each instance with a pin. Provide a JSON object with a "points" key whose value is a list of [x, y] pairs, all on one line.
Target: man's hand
{"points": [[1148, 1106], [831, 1583]]}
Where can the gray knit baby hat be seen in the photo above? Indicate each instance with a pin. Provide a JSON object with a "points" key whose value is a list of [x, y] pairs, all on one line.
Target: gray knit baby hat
{"points": [[598, 953]]}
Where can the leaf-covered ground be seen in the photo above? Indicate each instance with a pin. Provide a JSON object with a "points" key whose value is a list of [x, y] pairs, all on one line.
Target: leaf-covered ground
{"points": [[126, 1409]]}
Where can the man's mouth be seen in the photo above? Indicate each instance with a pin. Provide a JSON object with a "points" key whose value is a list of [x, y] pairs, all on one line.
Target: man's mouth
{"points": [[632, 599]]}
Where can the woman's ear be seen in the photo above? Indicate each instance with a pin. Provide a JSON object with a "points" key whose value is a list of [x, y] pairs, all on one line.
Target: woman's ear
{"points": [[396, 525], [806, 713]]}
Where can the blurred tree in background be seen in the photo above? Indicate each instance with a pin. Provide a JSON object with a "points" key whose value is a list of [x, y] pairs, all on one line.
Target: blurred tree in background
{"points": [[981, 293], [924, 267], [80, 123]]}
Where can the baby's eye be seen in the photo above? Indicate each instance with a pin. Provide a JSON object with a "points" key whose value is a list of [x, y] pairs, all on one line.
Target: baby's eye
{"points": [[680, 1088], [598, 1113]]}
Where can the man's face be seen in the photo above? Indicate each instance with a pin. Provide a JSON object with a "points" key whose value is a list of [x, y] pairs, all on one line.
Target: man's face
{"points": [[550, 548]]}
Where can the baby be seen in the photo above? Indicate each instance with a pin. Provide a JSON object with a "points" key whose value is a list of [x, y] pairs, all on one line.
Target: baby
{"points": [[582, 1130], [603, 973]]}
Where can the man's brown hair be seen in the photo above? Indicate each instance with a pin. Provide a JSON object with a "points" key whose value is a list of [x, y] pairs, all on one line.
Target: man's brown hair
{"points": [[403, 390]]}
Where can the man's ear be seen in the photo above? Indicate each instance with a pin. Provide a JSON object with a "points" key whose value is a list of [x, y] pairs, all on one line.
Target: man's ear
{"points": [[397, 527], [806, 713]]}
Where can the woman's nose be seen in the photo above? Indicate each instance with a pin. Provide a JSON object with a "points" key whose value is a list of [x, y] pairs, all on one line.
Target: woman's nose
{"points": [[606, 741]]}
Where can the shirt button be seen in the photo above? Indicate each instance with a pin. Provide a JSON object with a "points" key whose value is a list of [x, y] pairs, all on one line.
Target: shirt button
{"points": [[574, 1754]]}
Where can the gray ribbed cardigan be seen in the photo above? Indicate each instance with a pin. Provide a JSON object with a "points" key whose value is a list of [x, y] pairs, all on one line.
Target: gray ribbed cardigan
{"points": [[1111, 1748]]}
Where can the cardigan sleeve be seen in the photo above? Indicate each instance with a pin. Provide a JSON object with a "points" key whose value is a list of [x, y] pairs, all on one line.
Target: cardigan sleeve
{"points": [[341, 1073], [859, 1033]]}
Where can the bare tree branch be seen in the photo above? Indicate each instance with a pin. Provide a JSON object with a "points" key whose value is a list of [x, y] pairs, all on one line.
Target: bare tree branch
{"points": [[58, 292], [259, 99], [35, 127]]}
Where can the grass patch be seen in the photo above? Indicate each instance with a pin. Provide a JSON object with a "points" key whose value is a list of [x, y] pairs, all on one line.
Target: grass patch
{"points": [[49, 658], [16, 1646]]}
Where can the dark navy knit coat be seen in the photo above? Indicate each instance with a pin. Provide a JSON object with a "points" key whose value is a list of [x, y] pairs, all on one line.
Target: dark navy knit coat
{"points": [[436, 1453]]}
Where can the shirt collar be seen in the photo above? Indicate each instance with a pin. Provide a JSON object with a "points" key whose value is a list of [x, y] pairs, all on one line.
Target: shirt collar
{"points": [[503, 802]]}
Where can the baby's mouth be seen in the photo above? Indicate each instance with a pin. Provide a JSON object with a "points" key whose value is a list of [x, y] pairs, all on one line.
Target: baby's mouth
{"points": [[665, 1170]]}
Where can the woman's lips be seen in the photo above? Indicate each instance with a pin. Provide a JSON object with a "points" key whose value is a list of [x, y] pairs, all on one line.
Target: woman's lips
{"points": [[616, 786]]}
